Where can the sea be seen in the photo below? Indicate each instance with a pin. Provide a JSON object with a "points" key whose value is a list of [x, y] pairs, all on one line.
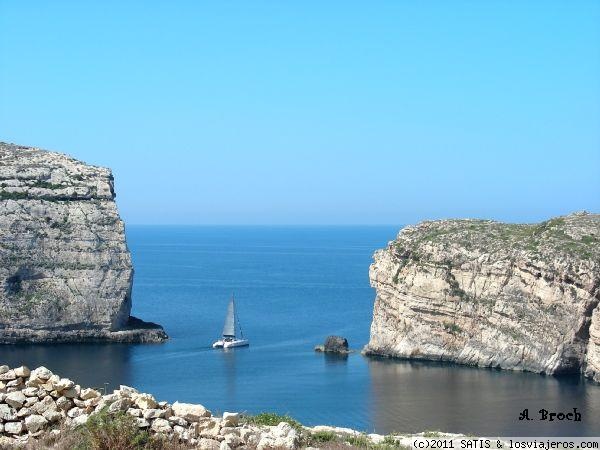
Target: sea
{"points": [[293, 287]]}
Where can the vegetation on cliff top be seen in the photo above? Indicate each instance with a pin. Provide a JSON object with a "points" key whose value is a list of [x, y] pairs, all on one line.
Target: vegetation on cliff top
{"points": [[272, 419], [323, 439], [576, 235]]}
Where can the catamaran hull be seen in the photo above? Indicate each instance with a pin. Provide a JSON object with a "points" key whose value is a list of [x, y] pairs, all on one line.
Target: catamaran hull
{"points": [[236, 343], [230, 344]]}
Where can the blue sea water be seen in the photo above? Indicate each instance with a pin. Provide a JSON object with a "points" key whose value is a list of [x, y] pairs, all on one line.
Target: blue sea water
{"points": [[294, 286]]}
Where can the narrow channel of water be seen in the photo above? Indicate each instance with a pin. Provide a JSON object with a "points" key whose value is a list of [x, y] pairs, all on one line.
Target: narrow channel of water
{"points": [[294, 286]]}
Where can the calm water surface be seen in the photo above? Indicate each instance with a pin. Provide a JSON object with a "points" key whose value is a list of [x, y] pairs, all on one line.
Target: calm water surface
{"points": [[293, 287]]}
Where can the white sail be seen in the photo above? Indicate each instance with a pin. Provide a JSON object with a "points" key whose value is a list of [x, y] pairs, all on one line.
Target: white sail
{"points": [[229, 338], [229, 327]]}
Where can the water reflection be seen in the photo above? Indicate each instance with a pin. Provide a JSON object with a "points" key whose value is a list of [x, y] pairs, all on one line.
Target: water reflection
{"points": [[228, 356], [95, 365], [408, 395], [335, 359], [347, 390]]}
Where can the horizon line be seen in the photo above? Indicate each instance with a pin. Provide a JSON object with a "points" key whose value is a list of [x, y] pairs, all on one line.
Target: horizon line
{"points": [[263, 224]]}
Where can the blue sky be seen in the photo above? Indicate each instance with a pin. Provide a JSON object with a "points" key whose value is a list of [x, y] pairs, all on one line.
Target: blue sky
{"points": [[306, 112]]}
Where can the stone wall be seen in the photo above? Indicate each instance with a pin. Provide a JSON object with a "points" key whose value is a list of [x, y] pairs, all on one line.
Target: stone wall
{"points": [[38, 403]]}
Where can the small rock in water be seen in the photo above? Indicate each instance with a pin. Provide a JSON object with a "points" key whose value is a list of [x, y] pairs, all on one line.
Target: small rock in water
{"points": [[334, 344]]}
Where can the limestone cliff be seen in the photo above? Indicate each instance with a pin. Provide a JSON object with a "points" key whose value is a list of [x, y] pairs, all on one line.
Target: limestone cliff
{"points": [[484, 293], [65, 270]]}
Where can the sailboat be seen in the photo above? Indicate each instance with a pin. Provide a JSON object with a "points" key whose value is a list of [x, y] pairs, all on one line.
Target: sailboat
{"points": [[230, 338]]}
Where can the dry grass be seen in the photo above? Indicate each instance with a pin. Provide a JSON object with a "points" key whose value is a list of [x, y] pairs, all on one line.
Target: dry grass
{"points": [[103, 432], [119, 431]]}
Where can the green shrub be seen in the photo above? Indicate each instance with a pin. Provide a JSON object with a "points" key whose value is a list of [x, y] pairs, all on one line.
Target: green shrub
{"points": [[452, 327], [272, 419], [104, 431], [360, 440], [322, 436], [589, 239], [47, 185], [431, 434], [390, 440], [4, 195]]}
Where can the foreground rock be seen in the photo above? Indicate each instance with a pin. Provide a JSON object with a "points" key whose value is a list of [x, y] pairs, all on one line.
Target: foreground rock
{"points": [[522, 297], [334, 344], [44, 404], [65, 270]]}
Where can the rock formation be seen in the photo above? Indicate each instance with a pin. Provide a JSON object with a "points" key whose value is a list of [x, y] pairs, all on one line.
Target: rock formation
{"points": [[65, 270], [483, 293], [334, 344]]}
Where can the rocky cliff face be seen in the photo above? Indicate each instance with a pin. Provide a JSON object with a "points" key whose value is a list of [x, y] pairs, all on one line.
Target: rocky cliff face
{"points": [[522, 297], [65, 270]]}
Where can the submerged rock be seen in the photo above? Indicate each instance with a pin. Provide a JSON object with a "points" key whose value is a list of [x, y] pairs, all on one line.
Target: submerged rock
{"points": [[484, 293], [65, 269]]}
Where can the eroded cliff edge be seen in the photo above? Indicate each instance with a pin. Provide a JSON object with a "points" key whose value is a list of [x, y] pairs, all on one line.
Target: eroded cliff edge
{"points": [[490, 294], [65, 269]]}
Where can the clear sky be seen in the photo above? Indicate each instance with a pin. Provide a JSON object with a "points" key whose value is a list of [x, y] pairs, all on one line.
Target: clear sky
{"points": [[313, 112]]}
